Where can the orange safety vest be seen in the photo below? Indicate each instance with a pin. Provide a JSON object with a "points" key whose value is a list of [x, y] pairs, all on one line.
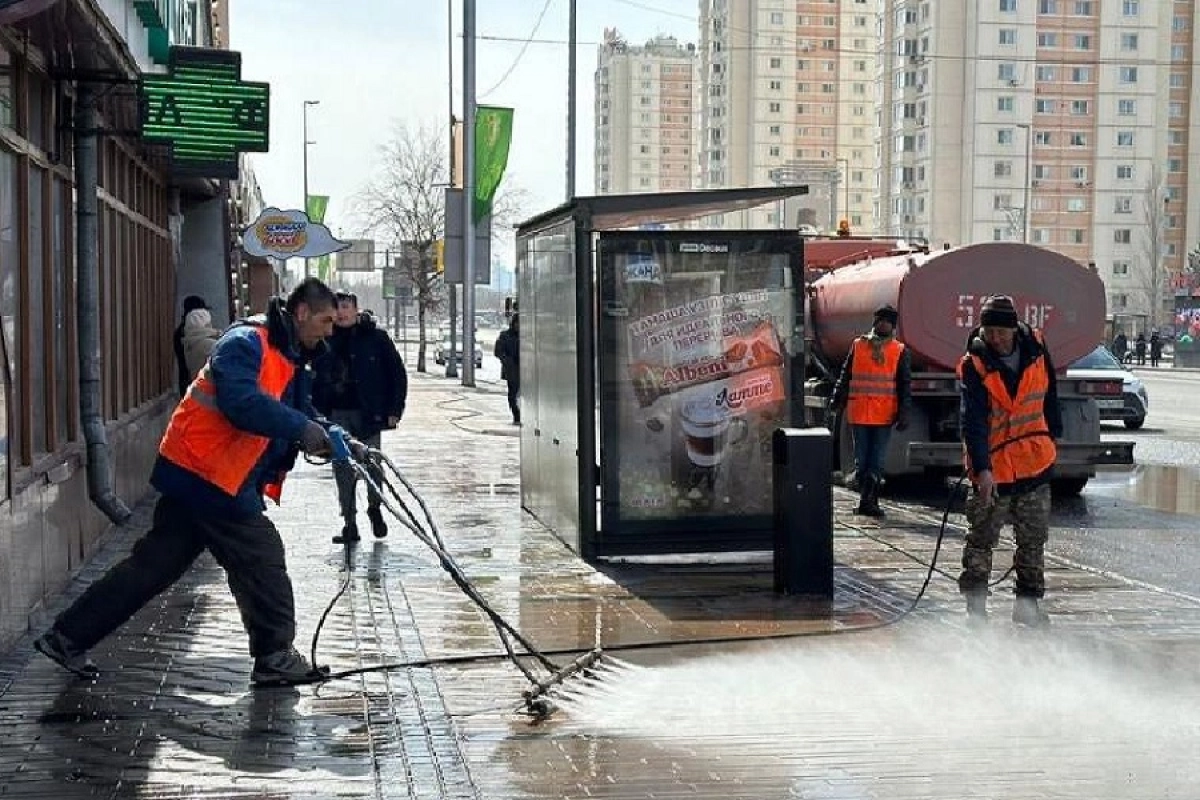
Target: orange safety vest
{"points": [[1019, 439], [873, 399], [202, 441]]}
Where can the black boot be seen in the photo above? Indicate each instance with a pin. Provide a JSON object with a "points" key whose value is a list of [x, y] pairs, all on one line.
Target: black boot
{"points": [[865, 484], [62, 651], [349, 534], [1028, 613], [378, 526], [870, 499]]}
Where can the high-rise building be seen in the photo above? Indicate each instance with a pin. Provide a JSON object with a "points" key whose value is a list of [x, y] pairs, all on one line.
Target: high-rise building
{"points": [[787, 97], [645, 115], [1065, 123]]}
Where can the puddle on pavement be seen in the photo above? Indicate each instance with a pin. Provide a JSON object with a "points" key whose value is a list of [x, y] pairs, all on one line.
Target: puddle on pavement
{"points": [[917, 704], [1175, 490]]}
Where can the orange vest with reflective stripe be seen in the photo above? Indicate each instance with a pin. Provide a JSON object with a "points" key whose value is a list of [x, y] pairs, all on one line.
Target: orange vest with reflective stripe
{"points": [[873, 399], [202, 441], [1019, 439]]}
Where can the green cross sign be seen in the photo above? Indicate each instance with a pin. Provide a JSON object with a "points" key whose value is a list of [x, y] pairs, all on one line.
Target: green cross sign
{"points": [[204, 112]]}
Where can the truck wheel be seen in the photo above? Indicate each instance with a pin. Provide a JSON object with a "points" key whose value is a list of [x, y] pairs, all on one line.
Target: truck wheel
{"points": [[1068, 487], [1135, 423]]}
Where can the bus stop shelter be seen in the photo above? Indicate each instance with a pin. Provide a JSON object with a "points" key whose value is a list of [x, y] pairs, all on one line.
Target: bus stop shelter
{"points": [[655, 367]]}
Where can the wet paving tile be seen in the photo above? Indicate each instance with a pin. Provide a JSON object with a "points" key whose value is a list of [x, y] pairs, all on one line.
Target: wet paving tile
{"points": [[782, 713]]}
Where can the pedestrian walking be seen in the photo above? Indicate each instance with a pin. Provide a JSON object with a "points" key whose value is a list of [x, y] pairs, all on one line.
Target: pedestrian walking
{"points": [[229, 444], [1156, 348], [1120, 347], [508, 350], [875, 391], [199, 339], [1010, 421], [1139, 347], [360, 384], [190, 303]]}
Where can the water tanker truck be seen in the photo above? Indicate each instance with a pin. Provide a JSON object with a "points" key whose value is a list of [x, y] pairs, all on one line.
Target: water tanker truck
{"points": [[939, 295]]}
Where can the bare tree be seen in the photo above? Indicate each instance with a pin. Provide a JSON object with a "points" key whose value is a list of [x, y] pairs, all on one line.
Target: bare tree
{"points": [[1151, 276], [405, 205]]}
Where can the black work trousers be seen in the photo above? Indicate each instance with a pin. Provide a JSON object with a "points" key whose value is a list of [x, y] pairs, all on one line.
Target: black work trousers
{"points": [[514, 393], [249, 549]]}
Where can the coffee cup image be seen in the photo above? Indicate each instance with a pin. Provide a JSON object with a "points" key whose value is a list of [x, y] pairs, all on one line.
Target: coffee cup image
{"points": [[709, 431]]}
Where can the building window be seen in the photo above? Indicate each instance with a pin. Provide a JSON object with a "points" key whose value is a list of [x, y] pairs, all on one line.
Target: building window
{"points": [[1079, 107], [1129, 42], [1043, 138], [1002, 169], [1127, 108], [1008, 6], [1120, 268], [1081, 75], [1004, 104], [1047, 40], [775, 63], [1077, 236], [1178, 80], [1129, 8], [1006, 72], [1083, 8], [1128, 74], [776, 18], [1008, 36], [1076, 205], [1124, 138], [1001, 201], [773, 130], [1041, 236], [1004, 136], [1045, 72], [773, 108], [1047, 6], [1078, 140], [1083, 42], [1043, 105], [1079, 174], [1124, 172], [1123, 205], [1042, 172], [1174, 165], [1175, 109], [1122, 236]]}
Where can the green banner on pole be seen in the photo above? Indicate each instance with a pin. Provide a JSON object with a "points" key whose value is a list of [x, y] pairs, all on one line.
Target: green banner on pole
{"points": [[315, 206], [325, 268], [493, 138]]}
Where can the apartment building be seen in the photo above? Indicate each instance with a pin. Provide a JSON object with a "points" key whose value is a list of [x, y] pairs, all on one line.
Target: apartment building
{"points": [[1065, 123], [645, 115], [787, 97]]}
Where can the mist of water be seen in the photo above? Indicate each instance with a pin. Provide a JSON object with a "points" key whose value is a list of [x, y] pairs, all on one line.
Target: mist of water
{"points": [[924, 704]]}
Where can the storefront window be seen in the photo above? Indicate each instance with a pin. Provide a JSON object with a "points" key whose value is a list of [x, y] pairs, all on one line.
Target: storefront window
{"points": [[10, 273]]}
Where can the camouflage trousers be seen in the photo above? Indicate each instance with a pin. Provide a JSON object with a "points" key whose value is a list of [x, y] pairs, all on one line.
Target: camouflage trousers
{"points": [[1029, 514]]}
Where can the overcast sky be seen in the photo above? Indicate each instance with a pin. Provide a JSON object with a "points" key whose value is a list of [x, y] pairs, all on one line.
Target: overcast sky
{"points": [[375, 63]]}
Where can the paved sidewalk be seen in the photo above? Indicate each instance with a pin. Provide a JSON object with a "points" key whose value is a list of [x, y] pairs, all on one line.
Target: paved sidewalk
{"points": [[173, 716]]}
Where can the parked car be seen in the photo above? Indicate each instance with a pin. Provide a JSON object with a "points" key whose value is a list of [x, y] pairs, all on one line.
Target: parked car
{"points": [[1101, 364], [442, 353]]}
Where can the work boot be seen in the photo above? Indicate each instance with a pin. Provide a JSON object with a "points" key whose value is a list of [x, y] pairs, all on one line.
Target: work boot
{"points": [[1027, 612], [285, 668], [349, 534], [62, 651], [868, 503], [977, 613], [378, 526], [864, 491]]}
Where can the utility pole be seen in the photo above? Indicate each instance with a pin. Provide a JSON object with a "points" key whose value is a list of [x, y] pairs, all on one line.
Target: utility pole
{"points": [[1026, 188], [304, 202], [451, 367], [572, 45], [468, 348]]}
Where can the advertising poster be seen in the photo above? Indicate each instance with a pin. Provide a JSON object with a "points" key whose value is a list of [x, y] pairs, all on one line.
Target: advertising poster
{"points": [[701, 367]]}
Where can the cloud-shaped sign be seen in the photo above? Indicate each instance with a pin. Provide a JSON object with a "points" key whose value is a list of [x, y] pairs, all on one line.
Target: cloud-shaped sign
{"points": [[289, 234]]}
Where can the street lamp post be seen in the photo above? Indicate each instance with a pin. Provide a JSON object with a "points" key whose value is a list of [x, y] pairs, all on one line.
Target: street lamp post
{"points": [[307, 103], [1025, 190]]}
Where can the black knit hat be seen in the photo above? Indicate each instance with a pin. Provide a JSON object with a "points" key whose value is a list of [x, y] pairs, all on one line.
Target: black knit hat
{"points": [[887, 314], [999, 312]]}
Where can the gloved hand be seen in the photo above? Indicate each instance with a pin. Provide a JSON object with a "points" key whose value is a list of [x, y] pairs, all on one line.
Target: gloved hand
{"points": [[314, 440], [902, 421], [358, 450]]}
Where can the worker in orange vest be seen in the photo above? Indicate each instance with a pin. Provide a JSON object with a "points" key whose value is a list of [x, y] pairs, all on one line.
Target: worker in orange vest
{"points": [[229, 443], [1010, 421], [875, 392]]}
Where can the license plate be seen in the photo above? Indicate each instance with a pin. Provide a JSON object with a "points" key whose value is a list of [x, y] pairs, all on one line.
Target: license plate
{"points": [[1110, 403]]}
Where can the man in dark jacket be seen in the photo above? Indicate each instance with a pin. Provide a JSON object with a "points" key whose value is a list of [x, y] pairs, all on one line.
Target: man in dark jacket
{"points": [[1010, 421], [508, 350], [231, 441], [190, 304], [361, 385]]}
